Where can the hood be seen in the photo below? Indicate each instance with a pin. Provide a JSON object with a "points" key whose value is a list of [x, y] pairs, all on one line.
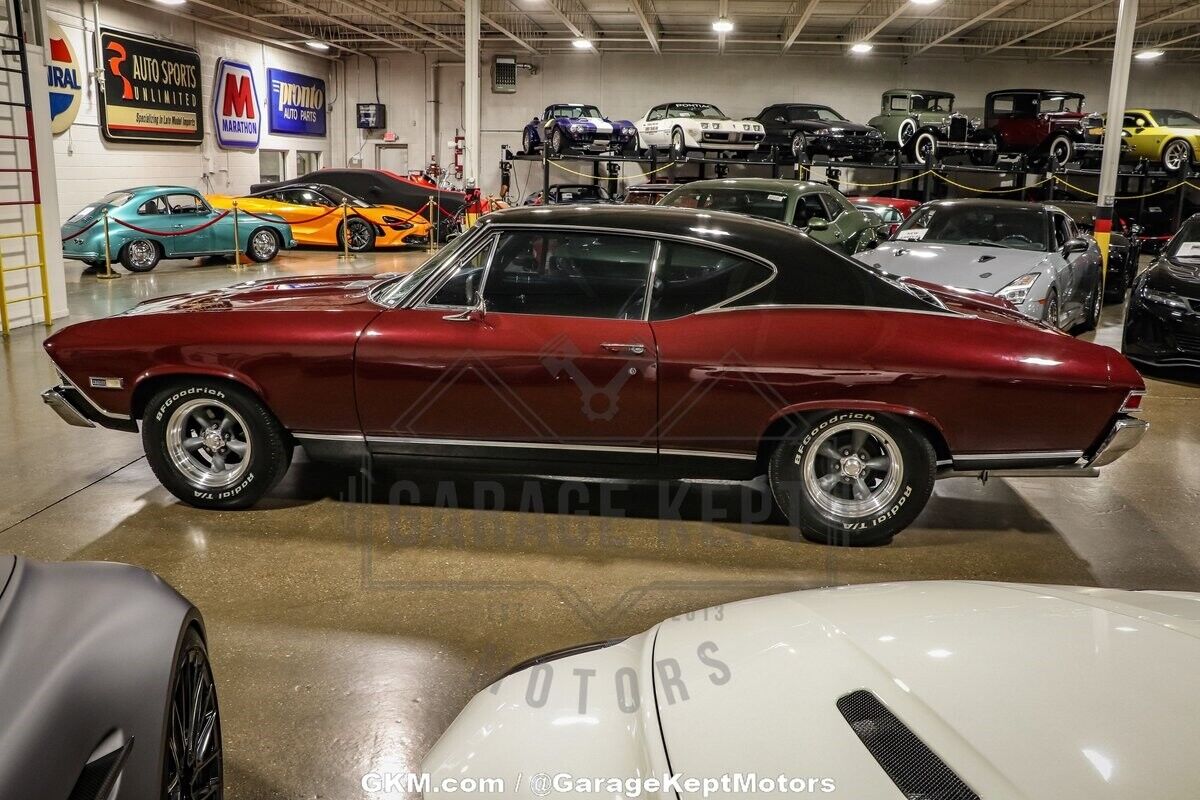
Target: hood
{"points": [[308, 293], [1181, 277], [1023, 691], [987, 269]]}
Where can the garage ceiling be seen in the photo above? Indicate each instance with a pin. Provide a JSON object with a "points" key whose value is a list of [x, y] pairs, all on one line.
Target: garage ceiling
{"points": [[1017, 29]]}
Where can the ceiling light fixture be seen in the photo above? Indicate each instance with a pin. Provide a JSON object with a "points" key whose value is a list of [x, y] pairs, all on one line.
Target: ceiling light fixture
{"points": [[171, 2], [312, 43], [861, 47], [582, 44], [1148, 55], [723, 25], [923, 2]]}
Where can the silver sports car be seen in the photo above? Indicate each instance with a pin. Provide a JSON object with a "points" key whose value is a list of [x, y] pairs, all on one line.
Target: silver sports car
{"points": [[105, 687], [1031, 254]]}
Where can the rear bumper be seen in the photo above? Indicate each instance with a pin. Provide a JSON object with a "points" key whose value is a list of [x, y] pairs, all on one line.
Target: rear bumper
{"points": [[1123, 437]]}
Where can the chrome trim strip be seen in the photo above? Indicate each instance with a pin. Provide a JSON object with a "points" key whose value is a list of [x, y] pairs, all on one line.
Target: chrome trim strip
{"points": [[830, 306], [1042, 455], [655, 260], [448, 271], [510, 445], [331, 437], [89, 400], [709, 454]]}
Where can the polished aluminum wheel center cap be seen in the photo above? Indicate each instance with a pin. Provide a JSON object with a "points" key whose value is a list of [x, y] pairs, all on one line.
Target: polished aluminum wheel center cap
{"points": [[852, 467], [213, 439]]}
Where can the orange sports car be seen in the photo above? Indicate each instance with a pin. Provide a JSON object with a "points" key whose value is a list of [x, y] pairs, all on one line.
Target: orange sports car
{"points": [[314, 212]]}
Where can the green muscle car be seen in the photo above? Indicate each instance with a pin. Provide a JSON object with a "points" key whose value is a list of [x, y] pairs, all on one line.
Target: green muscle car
{"points": [[921, 123]]}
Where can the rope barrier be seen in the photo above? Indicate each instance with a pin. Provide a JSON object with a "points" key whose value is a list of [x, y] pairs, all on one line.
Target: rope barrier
{"points": [[668, 165], [291, 222], [890, 183], [980, 190], [150, 232], [82, 230]]}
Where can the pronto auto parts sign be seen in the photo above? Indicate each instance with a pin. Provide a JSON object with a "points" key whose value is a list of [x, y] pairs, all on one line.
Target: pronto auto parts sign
{"points": [[63, 78], [296, 104], [235, 105], [151, 90]]}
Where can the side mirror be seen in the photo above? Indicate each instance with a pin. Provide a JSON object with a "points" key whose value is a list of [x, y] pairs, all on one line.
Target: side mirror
{"points": [[475, 314], [818, 224], [1075, 246]]}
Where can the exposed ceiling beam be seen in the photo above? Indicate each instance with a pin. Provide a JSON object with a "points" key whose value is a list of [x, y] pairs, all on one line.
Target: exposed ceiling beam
{"points": [[207, 21], [407, 25], [883, 11], [1048, 26], [644, 9], [574, 15], [345, 23], [1153, 18], [973, 21], [492, 12], [803, 13]]}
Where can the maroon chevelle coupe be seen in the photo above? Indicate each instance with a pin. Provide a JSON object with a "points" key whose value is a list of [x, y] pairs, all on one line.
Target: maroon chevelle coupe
{"points": [[594, 340]]}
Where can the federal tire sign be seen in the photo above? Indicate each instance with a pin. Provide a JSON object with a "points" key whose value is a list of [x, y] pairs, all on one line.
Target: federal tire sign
{"points": [[236, 110], [150, 90]]}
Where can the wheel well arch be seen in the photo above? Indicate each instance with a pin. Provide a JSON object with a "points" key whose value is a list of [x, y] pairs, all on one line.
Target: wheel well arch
{"points": [[146, 386], [793, 419], [1171, 140]]}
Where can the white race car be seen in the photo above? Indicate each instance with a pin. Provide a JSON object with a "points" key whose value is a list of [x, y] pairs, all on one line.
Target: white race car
{"points": [[696, 126], [922, 690]]}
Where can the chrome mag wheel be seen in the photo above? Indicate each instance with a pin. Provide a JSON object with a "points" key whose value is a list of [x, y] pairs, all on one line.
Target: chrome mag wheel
{"points": [[1052, 309], [799, 144], [1176, 156], [193, 768], [853, 470], [263, 245], [142, 254], [360, 234], [208, 443]]}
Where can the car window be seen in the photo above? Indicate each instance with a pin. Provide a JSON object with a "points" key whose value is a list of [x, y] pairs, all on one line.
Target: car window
{"points": [[814, 114], [695, 110], [656, 114], [737, 199], [461, 288], [1133, 121], [153, 207], [186, 204], [1061, 231], [690, 278], [574, 274], [809, 207], [1003, 226], [835, 205], [899, 103], [1170, 118]]}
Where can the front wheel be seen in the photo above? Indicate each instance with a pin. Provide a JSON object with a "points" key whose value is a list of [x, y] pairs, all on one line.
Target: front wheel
{"points": [[678, 145], [924, 148], [852, 478], [557, 143], [140, 255], [213, 444], [1061, 149], [1176, 157], [1095, 307], [799, 145], [193, 757], [263, 245], [527, 145], [362, 235], [1050, 313]]}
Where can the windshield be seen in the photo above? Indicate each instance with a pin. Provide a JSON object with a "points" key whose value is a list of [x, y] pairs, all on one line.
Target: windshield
{"points": [[814, 114], [1083, 214], [560, 112], [699, 110], [1186, 244], [1052, 105], [337, 196], [112, 200], [1016, 227], [1170, 118], [393, 291], [769, 205]]}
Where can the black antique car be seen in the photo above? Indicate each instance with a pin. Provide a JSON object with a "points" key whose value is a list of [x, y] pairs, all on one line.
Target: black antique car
{"points": [[805, 128], [1124, 248]]}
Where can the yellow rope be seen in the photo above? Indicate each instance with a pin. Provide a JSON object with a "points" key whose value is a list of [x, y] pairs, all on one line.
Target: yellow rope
{"points": [[889, 183], [605, 177], [1090, 193], [979, 190]]}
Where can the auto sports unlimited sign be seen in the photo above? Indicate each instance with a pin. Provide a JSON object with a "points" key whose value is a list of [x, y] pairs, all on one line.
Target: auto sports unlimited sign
{"points": [[235, 106], [151, 90], [296, 105]]}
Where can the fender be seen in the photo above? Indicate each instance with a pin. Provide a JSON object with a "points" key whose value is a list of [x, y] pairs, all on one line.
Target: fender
{"points": [[192, 370], [904, 412]]}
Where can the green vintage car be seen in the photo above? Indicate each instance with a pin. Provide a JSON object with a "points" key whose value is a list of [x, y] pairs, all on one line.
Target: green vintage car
{"points": [[821, 211], [150, 223], [921, 123]]}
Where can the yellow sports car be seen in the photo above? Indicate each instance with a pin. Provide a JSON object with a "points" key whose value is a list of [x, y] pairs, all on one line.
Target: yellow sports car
{"points": [[314, 212], [1163, 135]]}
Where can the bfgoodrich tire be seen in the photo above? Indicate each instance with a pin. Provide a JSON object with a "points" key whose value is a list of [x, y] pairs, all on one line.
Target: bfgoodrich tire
{"points": [[852, 478], [213, 444]]}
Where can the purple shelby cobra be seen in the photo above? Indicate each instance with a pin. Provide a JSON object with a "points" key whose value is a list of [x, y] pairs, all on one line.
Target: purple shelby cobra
{"points": [[565, 127]]}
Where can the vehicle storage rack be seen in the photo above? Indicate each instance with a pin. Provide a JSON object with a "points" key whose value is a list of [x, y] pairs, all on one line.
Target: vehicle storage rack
{"points": [[20, 129]]}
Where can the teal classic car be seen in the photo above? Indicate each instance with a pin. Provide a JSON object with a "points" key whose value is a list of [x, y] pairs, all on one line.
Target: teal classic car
{"points": [[818, 209], [150, 223], [921, 123]]}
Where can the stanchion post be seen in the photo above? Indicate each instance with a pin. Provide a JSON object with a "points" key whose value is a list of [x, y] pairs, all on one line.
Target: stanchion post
{"points": [[433, 220], [237, 240], [346, 254], [108, 274]]}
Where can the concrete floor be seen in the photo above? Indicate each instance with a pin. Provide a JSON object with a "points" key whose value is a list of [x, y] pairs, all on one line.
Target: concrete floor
{"points": [[347, 634]]}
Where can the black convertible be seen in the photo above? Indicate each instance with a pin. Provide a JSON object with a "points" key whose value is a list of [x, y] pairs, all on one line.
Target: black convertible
{"points": [[805, 128]]}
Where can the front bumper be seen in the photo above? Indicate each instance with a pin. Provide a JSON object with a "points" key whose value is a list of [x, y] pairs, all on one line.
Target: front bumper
{"points": [[74, 409], [845, 145], [1160, 335]]}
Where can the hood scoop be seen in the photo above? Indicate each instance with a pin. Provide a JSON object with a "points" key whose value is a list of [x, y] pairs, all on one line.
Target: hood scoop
{"points": [[983, 259], [913, 767]]}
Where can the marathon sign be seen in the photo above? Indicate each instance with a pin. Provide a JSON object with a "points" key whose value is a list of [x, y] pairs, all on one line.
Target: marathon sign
{"points": [[235, 106], [296, 105], [150, 90]]}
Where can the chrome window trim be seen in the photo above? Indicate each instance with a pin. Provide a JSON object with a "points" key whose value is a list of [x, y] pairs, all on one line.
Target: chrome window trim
{"points": [[1040, 455], [835, 307], [707, 454], [331, 437], [655, 260], [421, 301], [480, 230]]}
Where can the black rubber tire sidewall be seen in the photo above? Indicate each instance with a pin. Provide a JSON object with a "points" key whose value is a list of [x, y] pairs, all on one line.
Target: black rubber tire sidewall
{"points": [[783, 474], [915, 153], [126, 262], [250, 252], [557, 144], [370, 242], [189, 639], [1183, 168], [270, 448]]}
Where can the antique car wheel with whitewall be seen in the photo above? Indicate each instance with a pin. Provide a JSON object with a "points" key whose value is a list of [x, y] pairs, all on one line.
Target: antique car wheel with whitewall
{"points": [[663, 319]]}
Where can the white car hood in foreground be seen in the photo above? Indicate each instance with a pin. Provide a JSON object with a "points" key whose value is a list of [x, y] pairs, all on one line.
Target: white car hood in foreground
{"points": [[1023, 691], [987, 269]]}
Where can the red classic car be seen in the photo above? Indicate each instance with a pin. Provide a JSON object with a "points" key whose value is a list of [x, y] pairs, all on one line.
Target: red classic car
{"points": [[619, 340], [1040, 123], [892, 211]]}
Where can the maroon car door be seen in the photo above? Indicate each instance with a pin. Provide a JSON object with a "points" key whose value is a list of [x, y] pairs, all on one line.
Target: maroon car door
{"points": [[557, 360]]}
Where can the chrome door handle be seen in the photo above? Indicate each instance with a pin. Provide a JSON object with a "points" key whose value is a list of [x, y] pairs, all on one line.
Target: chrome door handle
{"points": [[180, 225], [633, 347]]}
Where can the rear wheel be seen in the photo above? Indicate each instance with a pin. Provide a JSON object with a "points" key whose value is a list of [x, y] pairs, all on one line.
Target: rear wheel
{"points": [[263, 245], [193, 757], [362, 235], [213, 444], [986, 157], [852, 478], [141, 255]]}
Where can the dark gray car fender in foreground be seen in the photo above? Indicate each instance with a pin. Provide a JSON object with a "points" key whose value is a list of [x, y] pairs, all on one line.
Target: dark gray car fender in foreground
{"points": [[85, 649]]}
